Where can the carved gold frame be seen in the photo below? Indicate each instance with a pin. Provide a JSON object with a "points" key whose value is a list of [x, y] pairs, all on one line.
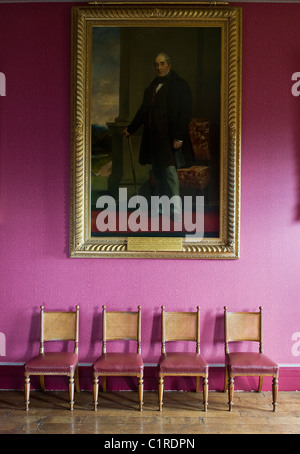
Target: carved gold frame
{"points": [[196, 14]]}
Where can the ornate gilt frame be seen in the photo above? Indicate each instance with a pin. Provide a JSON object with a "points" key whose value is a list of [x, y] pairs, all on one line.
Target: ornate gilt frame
{"points": [[196, 14]]}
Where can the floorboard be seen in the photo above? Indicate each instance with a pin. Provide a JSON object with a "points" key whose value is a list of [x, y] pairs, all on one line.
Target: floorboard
{"points": [[118, 414]]}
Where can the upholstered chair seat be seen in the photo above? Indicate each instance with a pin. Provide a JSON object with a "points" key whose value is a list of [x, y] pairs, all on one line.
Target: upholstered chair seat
{"points": [[52, 363], [250, 362], [182, 362], [119, 363]]}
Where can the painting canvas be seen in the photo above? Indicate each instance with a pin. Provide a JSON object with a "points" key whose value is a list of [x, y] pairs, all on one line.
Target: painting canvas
{"points": [[117, 91]]}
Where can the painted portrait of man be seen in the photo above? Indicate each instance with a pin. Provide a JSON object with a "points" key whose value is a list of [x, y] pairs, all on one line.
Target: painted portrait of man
{"points": [[155, 117]]}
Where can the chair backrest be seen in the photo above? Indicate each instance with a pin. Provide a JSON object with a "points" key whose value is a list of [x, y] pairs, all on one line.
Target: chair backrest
{"points": [[121, 325], [180, 326], [58, 325], [243, 326]]}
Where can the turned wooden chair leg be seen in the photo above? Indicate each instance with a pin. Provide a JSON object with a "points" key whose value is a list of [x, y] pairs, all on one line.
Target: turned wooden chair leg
{"points": [[230, 392], [197, 384], [96, 391], [42, 382], [275, 392], [141, 392], [205, 392], [77, 387], [226, 380], [160, 392], [71, 392], [27, 392], [104, 384]]}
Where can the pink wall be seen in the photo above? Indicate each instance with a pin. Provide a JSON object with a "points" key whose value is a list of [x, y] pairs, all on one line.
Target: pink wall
{"points": [[34, 198]]}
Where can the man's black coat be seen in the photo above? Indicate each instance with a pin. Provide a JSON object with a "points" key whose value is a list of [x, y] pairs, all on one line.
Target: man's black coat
{"points": [[164, 119]]}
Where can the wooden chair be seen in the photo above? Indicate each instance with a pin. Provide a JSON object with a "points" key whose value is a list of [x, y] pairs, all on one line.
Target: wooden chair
{"points": [[63, 326], [120, 326], [181, 326], [247, 326]]}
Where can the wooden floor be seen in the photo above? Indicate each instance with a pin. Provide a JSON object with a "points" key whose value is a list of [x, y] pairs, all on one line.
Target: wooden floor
{"points": [[118, 414]]}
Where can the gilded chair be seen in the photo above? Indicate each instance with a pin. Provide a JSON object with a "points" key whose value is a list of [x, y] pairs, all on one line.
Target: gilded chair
{"points": [[181, 326], [247, 326], [121, 326], [55, 326]]}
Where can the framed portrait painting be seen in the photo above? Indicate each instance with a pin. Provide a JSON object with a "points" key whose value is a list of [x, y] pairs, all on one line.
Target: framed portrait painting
{"points": [[156, 113]]}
